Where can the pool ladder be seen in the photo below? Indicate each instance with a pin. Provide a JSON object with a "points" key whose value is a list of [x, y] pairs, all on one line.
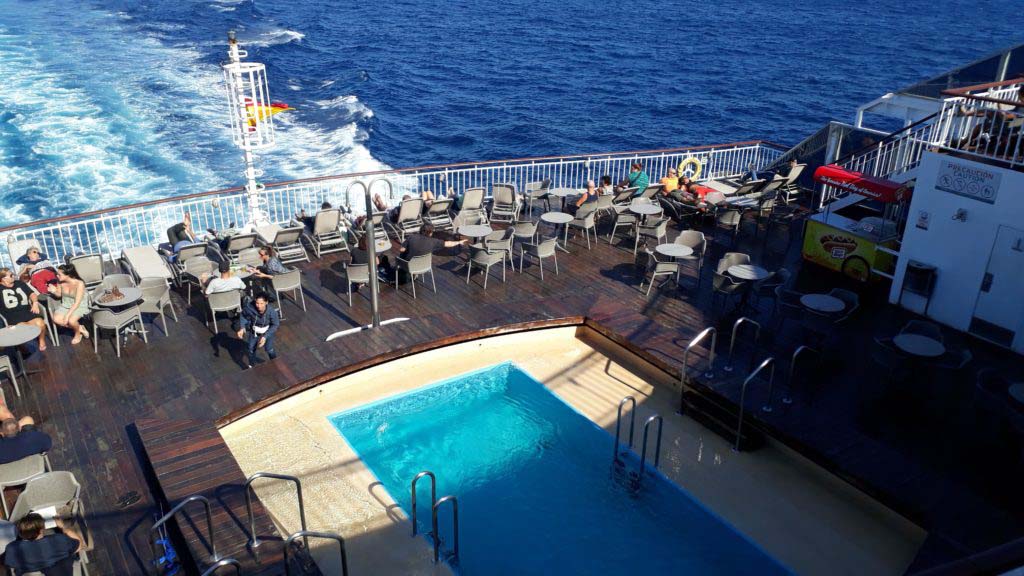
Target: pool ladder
{"points": [[638, 475], [435, 505]]}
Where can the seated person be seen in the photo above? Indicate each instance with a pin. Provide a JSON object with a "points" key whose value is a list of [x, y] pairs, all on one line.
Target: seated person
{"points": [[361, 255], [225, 282], [697, 191], [670, 182], [606, 185], [309, 221], [637, 179], [418, 244], [74, 301], [36, 268], [271, 267], [19, 304], [52, 554], [20, 438], [588, 197]]}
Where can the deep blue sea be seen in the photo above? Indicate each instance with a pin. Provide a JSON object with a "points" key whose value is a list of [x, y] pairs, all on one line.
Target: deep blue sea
{"points": [[107, 102]]}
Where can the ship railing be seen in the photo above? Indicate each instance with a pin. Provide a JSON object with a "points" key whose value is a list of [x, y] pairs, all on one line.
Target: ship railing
{"points": [[109, 231], [984, 122]]}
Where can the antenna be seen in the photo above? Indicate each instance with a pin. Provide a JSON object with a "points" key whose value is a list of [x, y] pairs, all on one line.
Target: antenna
{"points": [[251, 112]]}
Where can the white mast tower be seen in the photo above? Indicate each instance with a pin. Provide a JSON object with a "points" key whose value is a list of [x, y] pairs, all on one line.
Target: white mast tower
{"points": [[252, 124]]}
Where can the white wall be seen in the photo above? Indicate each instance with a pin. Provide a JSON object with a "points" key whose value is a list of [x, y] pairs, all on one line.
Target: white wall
{"points": [[960, 250]]}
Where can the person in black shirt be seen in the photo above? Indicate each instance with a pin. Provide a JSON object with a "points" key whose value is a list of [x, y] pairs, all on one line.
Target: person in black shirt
{"points": [[424, 243], [19, 304], [51, 554], [20, 438]]}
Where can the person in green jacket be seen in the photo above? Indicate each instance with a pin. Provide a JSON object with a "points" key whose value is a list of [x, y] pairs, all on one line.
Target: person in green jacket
{"points": [[637, 179]]}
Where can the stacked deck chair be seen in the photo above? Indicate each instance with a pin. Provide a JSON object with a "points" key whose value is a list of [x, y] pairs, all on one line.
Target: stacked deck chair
{"points": [[287, 242], [146, 262], [327, 235], [472, 210]]}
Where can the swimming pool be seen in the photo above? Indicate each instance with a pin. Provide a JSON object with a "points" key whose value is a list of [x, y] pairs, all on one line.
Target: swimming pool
{"points": [[535, 484]]}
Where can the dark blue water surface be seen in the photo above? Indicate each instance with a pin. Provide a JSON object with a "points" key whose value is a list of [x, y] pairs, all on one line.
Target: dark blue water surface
{"points": [[111, 101], [534, 484]]}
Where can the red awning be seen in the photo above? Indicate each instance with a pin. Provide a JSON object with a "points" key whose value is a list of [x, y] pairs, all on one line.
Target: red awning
{"points": [[876, 188]]}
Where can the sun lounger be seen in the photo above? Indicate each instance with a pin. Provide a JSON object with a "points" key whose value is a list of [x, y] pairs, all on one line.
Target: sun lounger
{"points": [[145, 262]]}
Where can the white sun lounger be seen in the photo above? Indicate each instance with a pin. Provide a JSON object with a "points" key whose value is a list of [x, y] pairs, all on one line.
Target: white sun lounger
{"points": [[145, 262]]}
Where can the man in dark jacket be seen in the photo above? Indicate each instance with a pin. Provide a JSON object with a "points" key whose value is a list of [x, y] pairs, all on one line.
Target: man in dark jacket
{"points": [[259, 324]]}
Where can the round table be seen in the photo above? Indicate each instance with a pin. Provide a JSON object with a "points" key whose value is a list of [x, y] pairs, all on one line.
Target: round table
{"points": [[918, 345], [748, 272], [129, 295], [644, 209], [15, 336], [673, 250], [559, 219], [1016, 391], [822, 303], [564, 193], [475, 230]]}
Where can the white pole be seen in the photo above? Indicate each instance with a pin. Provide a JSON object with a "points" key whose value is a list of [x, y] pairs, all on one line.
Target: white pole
{"points": [[237, 77]]}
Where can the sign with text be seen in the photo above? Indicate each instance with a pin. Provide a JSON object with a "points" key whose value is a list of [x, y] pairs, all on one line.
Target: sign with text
{"points": [[968, 181]]}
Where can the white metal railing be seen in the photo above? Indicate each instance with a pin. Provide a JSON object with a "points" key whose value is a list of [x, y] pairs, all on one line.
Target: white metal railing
{"points": [[987, 123], [107, 232]]}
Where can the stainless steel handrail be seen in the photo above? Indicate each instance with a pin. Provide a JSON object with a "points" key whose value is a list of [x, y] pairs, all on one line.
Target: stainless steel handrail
{"points": [[304, 534], [770, 361], [787, 399], [433, 495], [209, 524], [371, 248], [455, 525], [732, 341], [657, 445], [686, 357], [618, 422], [254, 541], [222, 563]]}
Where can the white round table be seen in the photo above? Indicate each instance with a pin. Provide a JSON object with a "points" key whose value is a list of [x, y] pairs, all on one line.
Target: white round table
{"points": [[564, 193], [644, 209], [1016, 391], [673, 250], [475, 230], [129, 295], [748, 272], [559, 219], [822, 303], [15, 336], [918, 345]]}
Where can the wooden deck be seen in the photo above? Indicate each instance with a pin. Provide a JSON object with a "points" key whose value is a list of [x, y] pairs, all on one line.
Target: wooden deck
{"points": [[114, 422]]}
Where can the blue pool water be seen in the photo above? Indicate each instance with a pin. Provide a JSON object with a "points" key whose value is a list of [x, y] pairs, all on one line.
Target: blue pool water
{"points": [[105, 102], [535, 485]]}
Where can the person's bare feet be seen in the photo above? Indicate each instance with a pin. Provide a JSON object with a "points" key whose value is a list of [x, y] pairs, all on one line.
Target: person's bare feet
{"points": [[77, 338], [42, 346]]}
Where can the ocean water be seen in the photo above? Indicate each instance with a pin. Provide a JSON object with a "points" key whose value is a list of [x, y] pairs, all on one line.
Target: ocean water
{"points": [[106, 102], [535, 484]]}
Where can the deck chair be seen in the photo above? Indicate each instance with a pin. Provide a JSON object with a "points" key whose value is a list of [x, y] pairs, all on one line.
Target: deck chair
{"points": [[327, 235], [650, 191], [409, 218], [145, 262], [774, 184], [437, 214], [290, 281], [356, 274], [223, 302], [116, 321], [287, 242], [19, 472], [187, 252], [416, 266], [505, 206], [89, 268], [55, 491], [790, 190], [237, 243], [17, 248], [472, 210], [156, 296], [538, 191]]}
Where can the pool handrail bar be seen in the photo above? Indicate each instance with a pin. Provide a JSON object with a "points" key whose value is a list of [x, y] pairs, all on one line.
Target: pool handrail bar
{"points": [[686, 356], [209, 523], [254, 541], [732, 341], [618, 423], [769, 361], [657, 446], [305, 534], [455, 525], [433, 495], [787, 398], [222, 563]]}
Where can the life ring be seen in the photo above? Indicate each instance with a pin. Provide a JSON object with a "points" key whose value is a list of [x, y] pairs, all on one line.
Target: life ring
{"points": [[685, 165]]}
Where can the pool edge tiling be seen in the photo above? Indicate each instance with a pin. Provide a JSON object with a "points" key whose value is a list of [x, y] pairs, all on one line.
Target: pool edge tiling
{"points": [[809, 520]]}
